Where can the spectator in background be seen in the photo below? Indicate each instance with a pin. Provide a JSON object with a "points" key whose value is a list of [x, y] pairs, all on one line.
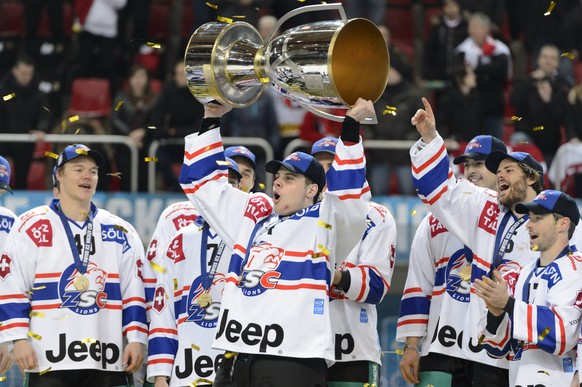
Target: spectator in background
{"points": [[32, 14], [491, 60], [176, 114], [571, 41], [449, 31], [492, 8], [574, 114], [540, 101], [315, 127], [23, 113], [459, 114], [96, 46], [401, 94], [132, 119], [265, 25], [289, 118], [373, 10]]}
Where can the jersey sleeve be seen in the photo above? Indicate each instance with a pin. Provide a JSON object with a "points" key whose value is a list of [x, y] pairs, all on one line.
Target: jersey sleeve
{"points": [[370, 278], [131, 277], [416, 298], [204, 178], [549, 326], [163, 333], [498, 343], [345, 202], [17, 272]]}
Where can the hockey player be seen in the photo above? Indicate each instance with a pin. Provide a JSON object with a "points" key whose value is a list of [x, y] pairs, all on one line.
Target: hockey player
{"points": [[7, 218], [275, 307], [247, 165], [535, 318], [187, 304], [435, 300], [72, 297], [361, 281]]}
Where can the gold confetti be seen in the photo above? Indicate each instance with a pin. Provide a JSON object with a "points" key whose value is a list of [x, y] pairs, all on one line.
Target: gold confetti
{"points": [[175, 284], [120, 228], [62, 318], [481, 338], [74, 118], [387, 111], [224, 19], [550, 8], [324, 249], [213, 6], [399, 352], [238, 16], [1, 323], [36, 314], [8, 97], [47, 109], [3, 378], [152, 45], [34, 335], [538, 128], [535, 248], [140, 380], [87, 340], [228, 355], [118, 105], [28, 291], [77, 131], [195, 383], [544, 334], [151, 127], [301, 1], [81, 151], [151, 159], [39, 287], [324, 225], [51, 154], [195, 347], [569, 55], [261, 186], [413, 212], [516, 118], [115, 174], [158, 268], [543, 372], [45, 371], [222, 162]]}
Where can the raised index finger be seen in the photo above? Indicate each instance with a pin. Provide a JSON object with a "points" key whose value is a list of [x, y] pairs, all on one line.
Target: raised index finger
{"points": [[428, 109]]}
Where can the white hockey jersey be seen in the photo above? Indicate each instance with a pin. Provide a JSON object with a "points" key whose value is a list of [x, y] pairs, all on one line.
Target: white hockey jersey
{"points": [[276, 297], [435, 301], [181, 332], [172, 219], [7, 219], [541, 336], [38, 301], [370, 264]]}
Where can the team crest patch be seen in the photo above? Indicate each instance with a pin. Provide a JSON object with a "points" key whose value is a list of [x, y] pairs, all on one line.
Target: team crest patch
{"points": [[204, 317], [457, 288], [260, 273], [88, 301]]}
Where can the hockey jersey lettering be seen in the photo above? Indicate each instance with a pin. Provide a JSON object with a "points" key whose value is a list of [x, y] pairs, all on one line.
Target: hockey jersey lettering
{"points": [[78, 351], [269, 317]]}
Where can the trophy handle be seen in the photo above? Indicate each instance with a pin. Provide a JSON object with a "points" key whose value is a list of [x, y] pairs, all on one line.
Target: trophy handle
{"points": [[332, 117], [309, 8]]}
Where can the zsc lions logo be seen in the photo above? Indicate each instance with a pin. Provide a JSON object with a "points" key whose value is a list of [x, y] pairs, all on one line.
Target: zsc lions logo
{"points": [[86, 302], [206, 318], [456, 287], [260, 272]]}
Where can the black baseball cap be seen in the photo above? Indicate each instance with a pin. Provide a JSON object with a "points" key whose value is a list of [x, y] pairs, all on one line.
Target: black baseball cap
{"points": [[302, 163], [479, 147], [551, 202]]}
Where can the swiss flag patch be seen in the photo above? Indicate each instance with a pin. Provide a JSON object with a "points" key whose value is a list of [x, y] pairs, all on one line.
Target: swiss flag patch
{"points": [[152, 249], [41, 233], [159, 299], [488, 218], [5, 262]]}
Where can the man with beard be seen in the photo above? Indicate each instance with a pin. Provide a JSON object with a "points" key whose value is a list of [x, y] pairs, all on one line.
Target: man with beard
{"points": [[484, 221], [437, 292]]}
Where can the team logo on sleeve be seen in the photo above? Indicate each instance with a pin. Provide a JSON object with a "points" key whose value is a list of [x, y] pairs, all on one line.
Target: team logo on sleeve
{"points": [[41, 233], [257, 208], [6, 223], [488, 218], [204, 317], [83, 302], [457, 288], [183, 220], [5, 262], [159, 299], [111, 233], [260, 273], [152, 249]]}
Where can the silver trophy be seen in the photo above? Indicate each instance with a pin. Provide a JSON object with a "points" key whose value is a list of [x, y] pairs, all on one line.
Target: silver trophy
{"points": [[326, 64]]}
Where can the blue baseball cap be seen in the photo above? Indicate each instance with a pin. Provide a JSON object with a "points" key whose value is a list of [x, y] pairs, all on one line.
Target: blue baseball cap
{"points": [[326, 144], [233, 166], [302, 163], [5, 174], [479, 147], [551, 202], [241, 151], [494, 159], [76, 150]]}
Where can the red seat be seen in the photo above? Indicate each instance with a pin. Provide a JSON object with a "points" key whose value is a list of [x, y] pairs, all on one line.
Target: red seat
{"points": [[11, 18], [90, 97], [159, 23]]}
